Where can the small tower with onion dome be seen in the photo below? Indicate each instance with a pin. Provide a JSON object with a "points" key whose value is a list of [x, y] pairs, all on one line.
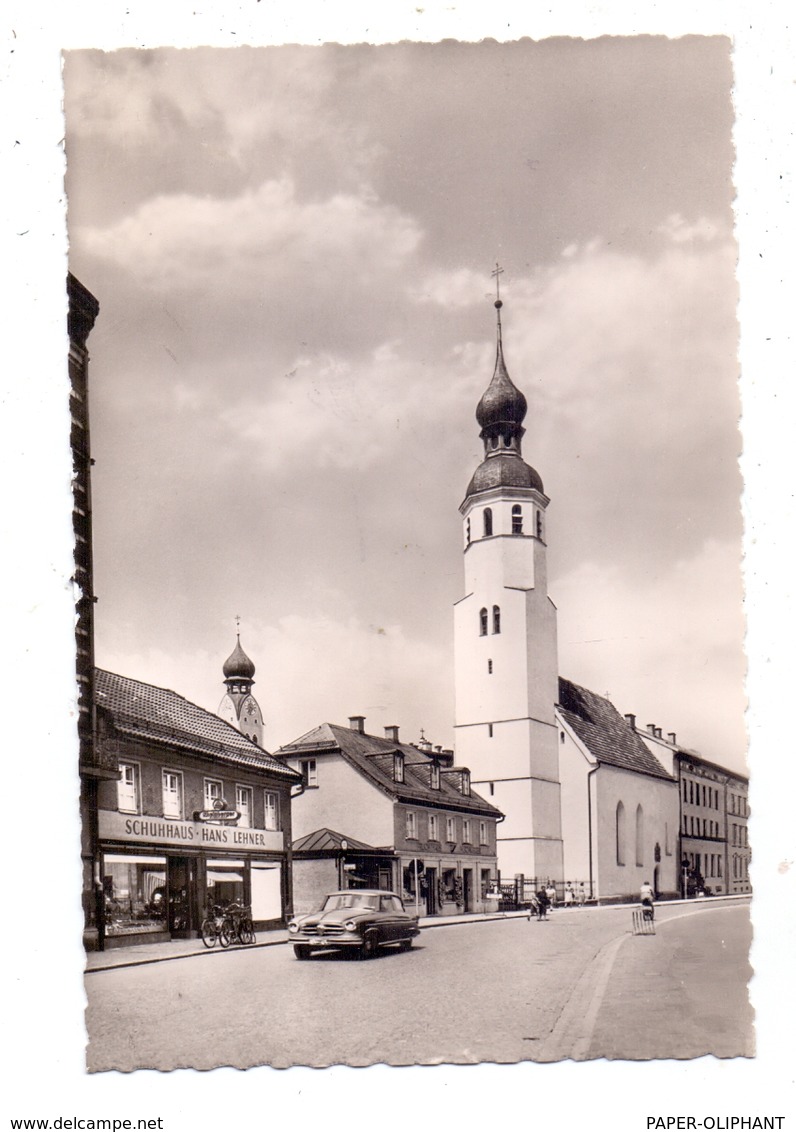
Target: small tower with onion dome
{"points": [[238, 706], [505, 642]]}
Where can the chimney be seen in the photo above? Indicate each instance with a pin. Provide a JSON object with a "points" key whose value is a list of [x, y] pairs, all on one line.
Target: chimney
{"points": [[651, 728], [658, 733], [438, 748], [631, 719], [391, 732], [357, 723], [673, 738]]}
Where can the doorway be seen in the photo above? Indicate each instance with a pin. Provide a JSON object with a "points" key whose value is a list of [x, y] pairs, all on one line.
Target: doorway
{"points": [[431, 892], [467, 889], [182, 915]]}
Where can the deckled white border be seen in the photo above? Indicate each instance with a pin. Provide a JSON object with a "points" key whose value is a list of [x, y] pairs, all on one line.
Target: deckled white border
{"points": [[44, 1040]]}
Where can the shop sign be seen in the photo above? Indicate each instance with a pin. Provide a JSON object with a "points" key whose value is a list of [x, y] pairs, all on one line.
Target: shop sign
{"points": [[216, 815], [142, 829]]}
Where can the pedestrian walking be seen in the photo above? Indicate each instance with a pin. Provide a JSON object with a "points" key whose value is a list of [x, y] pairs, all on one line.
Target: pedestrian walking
{"points": [[543, 901], [551, 894], [533, 909], [581, 894], [569, 896]]}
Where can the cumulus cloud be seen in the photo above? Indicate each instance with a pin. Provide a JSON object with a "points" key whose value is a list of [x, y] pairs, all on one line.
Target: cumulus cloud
{"points": [[178, 243]]}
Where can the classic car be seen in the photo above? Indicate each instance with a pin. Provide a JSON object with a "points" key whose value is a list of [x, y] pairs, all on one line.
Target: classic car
{"points": [[362, 919]]}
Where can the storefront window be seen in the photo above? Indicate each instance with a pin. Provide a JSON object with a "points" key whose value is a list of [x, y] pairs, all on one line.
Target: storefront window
{"points": [[135, 894], [225, 882]]}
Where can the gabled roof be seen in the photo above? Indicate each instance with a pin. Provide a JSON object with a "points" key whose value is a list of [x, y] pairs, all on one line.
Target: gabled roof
{"points": [[367, 754], [144, 711], [607, 734], [326, 840]]}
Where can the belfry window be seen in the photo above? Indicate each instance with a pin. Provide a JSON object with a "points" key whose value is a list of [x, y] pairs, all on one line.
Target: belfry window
{"points": [[483, 622], [487, 522], [538, 524], [516, 519], [495, 618], [467, 532]]}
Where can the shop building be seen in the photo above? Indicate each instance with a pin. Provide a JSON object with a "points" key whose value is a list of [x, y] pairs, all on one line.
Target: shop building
{"points": [[379, 813], [198, 814]]}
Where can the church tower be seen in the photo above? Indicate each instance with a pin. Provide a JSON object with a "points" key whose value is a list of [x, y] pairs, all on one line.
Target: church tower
{"points": [[505, 644], [239, 706]]}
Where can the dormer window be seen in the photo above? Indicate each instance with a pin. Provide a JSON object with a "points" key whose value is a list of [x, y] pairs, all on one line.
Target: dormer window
{"points": [[398, 767], [435, 779], [466, 782], [487, 522], [516, 519]]}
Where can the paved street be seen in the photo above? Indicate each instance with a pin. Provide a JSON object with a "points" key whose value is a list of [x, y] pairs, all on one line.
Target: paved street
{"points": [[579, 985]]}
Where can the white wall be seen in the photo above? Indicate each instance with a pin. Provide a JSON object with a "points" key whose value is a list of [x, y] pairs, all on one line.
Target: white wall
{"points": [[344, 801]]}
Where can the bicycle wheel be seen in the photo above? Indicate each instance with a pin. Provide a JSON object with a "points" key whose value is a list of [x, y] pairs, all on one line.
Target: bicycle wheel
{"points": [[226, 933], [246, 931], [209, 933]]}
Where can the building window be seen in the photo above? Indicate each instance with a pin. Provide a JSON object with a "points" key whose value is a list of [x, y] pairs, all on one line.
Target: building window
{"points": [[309, 768], [433, 827], [271, 800], [483, 622], [489, 667], [127, 789], [491, 789], [466, 831], [482, 833], [487, 522], [411, 825], [538, 524], [450, 829], [495, 618], [490, 730], [685, 790], [516, 519], [620, 834], [398, 767], [172, 794], [243, 804], [666, 848], [435, 784], [639, 835], [468, 535], [213, 793]]}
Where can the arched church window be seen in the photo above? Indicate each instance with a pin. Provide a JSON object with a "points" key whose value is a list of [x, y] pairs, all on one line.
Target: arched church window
{"points": [[483, 622], [487, 522], [620, 834], [639, 835], [495, 618], [538, 524], [516, 519]]}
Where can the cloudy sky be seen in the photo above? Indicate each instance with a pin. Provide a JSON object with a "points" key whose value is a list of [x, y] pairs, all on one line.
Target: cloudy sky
{"points": [[292, 250]]}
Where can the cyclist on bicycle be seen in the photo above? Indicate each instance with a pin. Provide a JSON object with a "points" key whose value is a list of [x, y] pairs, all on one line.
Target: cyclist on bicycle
{"points": [[647, 900]]}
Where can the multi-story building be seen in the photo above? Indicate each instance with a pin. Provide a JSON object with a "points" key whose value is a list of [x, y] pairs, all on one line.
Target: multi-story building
{"points": [[381, 813], [198, 814], [714, 850]]}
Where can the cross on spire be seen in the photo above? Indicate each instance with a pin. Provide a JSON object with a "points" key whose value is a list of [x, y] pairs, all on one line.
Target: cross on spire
{"points": [[496, 274], [237, 623]]}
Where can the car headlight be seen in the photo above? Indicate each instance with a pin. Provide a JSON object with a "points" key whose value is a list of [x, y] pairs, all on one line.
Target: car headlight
{"points": [[350, 926], [292, 926]]}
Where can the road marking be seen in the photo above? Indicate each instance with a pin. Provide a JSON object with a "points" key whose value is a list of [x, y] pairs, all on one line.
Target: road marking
{"points": [[571, 1036]]}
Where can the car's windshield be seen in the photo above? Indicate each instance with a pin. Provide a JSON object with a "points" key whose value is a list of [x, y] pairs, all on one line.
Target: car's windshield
{"points": [[362, 900]]}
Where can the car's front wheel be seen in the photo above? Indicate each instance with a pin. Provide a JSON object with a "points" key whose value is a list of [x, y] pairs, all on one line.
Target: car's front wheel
{"points": [[301, 951], [370, 946]]}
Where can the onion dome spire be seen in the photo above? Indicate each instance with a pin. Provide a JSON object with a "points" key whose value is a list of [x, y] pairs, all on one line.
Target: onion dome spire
{"points": [[238, 666], [500, 413]]}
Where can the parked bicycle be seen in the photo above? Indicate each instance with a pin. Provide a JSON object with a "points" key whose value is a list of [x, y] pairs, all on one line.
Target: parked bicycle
{"points": [[214, 928], [238, 924]]}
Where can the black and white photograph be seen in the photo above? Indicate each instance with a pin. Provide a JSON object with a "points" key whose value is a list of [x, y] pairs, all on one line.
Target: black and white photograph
{"points": [[411, 534]]}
